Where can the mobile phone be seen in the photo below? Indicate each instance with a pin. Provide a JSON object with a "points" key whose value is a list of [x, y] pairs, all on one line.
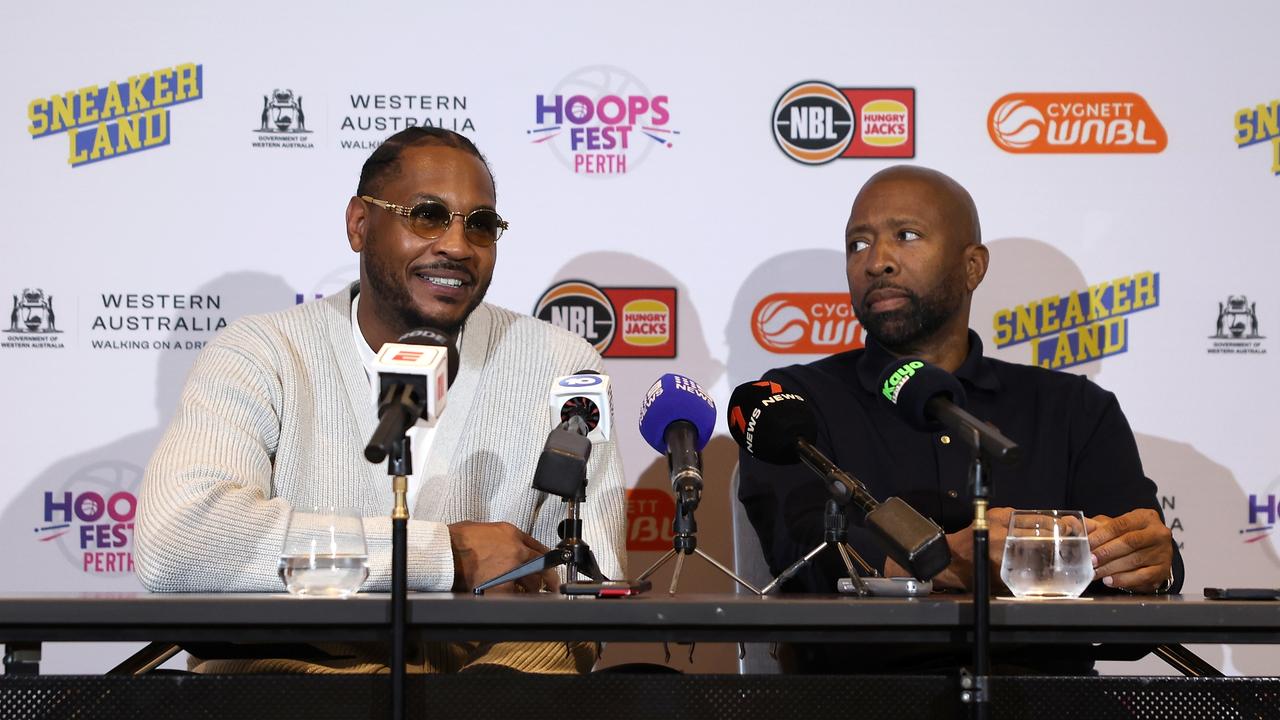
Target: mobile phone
{"points": [[606, 589], [1242, 593], [888, 587]]}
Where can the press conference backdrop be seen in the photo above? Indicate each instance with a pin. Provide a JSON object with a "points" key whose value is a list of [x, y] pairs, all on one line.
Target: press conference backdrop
{"points": [[677, 177]]}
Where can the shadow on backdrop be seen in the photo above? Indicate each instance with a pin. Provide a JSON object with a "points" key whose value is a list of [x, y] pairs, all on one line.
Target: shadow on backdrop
{"points": [[1199, 495], [54, 560]]}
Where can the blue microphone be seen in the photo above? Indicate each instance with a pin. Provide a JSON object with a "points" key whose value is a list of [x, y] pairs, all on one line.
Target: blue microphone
{"points": [[677, 419]]}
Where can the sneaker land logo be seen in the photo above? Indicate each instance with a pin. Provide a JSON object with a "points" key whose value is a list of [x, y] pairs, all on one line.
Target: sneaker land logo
{"points": [[815, 123], [1080, 326], [119, 118], [1237, 329], [620, 322], [1075, 123], [806, 324], [32, 321], [602, 120], [91, 518], [1260, 124], [283, 122]]}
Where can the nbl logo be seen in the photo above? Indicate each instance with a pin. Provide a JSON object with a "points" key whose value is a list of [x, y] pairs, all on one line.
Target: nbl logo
{"points": [[815, 123], [619, 322]]}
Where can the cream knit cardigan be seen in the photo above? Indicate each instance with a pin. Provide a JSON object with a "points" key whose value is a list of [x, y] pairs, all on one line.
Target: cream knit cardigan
{"points": [[276, 413]]}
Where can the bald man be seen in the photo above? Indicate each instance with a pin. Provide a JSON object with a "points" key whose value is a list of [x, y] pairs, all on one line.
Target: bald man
{"points": [[914, 254]]}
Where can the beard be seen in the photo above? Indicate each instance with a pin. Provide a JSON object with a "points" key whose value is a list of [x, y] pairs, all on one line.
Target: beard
{"points": [[395, 304], [923, 315]]}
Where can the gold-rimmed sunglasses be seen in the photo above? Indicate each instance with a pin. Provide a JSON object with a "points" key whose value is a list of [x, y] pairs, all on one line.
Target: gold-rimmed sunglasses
{"points": [[432, 218]]}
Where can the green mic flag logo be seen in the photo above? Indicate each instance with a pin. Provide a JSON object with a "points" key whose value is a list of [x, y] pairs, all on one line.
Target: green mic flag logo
{"points": [[893, 385]]}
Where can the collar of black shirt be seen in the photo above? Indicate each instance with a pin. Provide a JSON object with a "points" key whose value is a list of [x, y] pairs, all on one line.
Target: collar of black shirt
{"points": [[976, 371]]}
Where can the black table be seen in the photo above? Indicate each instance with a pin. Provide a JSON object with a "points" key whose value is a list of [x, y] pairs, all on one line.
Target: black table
{"points": [[28, 620], [178, 618]]}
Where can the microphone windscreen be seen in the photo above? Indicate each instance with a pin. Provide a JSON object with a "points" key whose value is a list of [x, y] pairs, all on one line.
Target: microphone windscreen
{"points": [[432, 336], [676, 397], [766, 421], [908, 384]]}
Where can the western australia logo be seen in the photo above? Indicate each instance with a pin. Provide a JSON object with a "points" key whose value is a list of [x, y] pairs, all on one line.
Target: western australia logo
{"points": [[1080, 326], [283, 122], [32, 321], [118, 118], [371, 117], [602, 120], [1236, 331], [620, 322], [1118, 122], [815, 123], [806, 324], [134, 321], [1260, 123]]}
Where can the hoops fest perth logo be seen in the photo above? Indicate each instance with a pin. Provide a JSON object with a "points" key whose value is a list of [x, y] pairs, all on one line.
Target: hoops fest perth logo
{"points": [[119, 118], [605, 118], [815, 122], [1078, 122], [806, 324], [620, 322]]}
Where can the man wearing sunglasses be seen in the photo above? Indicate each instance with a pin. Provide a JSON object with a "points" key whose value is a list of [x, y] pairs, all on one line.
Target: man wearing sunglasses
{"points": [[277, 411], [914, 257]]}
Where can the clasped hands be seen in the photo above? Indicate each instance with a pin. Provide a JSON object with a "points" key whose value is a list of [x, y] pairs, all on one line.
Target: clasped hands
{"points": [[1133, 551]]}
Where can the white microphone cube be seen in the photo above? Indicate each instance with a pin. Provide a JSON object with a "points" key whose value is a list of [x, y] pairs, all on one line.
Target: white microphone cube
{"points": [[428, 362], [591, 387]]}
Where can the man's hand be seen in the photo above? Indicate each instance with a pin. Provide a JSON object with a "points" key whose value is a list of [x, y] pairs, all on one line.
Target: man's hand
{"points": [[482, 551], [1133, 551], [959, 574]]}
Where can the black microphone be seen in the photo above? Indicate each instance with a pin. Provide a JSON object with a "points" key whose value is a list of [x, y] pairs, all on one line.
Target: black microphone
{"points": [[777, 427], [929, 399], [413, 377]]}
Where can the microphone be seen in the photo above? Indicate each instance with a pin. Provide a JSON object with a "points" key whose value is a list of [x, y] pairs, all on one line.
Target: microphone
{"points": [[581, 412], [777, 427], [413, 376], [588, 396], [677, 418], [929, 398]]}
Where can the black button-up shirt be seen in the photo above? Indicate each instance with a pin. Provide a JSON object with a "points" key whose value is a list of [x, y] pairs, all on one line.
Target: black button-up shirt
{"points": [[1078, 454]]}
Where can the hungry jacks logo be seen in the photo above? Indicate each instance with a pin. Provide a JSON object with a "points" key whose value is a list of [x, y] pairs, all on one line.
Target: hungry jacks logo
{"points": [[620, 322], [118, 118], [815, 123]]}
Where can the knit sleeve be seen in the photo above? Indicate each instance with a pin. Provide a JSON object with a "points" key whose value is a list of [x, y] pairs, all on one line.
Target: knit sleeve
{"points": [[206, 518]]}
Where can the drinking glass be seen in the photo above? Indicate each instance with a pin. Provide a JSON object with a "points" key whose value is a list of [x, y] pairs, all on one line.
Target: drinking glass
{"points": [[324, 553], [1046, 554]]}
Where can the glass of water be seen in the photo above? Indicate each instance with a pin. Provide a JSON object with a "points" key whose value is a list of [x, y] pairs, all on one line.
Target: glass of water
{"points": [[324, 553], [1046, 554]]}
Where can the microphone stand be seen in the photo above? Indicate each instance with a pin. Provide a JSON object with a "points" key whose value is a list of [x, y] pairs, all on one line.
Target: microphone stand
{"points": [[975, 689], [685, 538], [399, 466], [835, 533], [572, 552]]}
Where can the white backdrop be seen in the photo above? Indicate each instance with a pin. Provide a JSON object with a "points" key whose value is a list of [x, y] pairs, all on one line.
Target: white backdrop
{"points": [[221, 218]]}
